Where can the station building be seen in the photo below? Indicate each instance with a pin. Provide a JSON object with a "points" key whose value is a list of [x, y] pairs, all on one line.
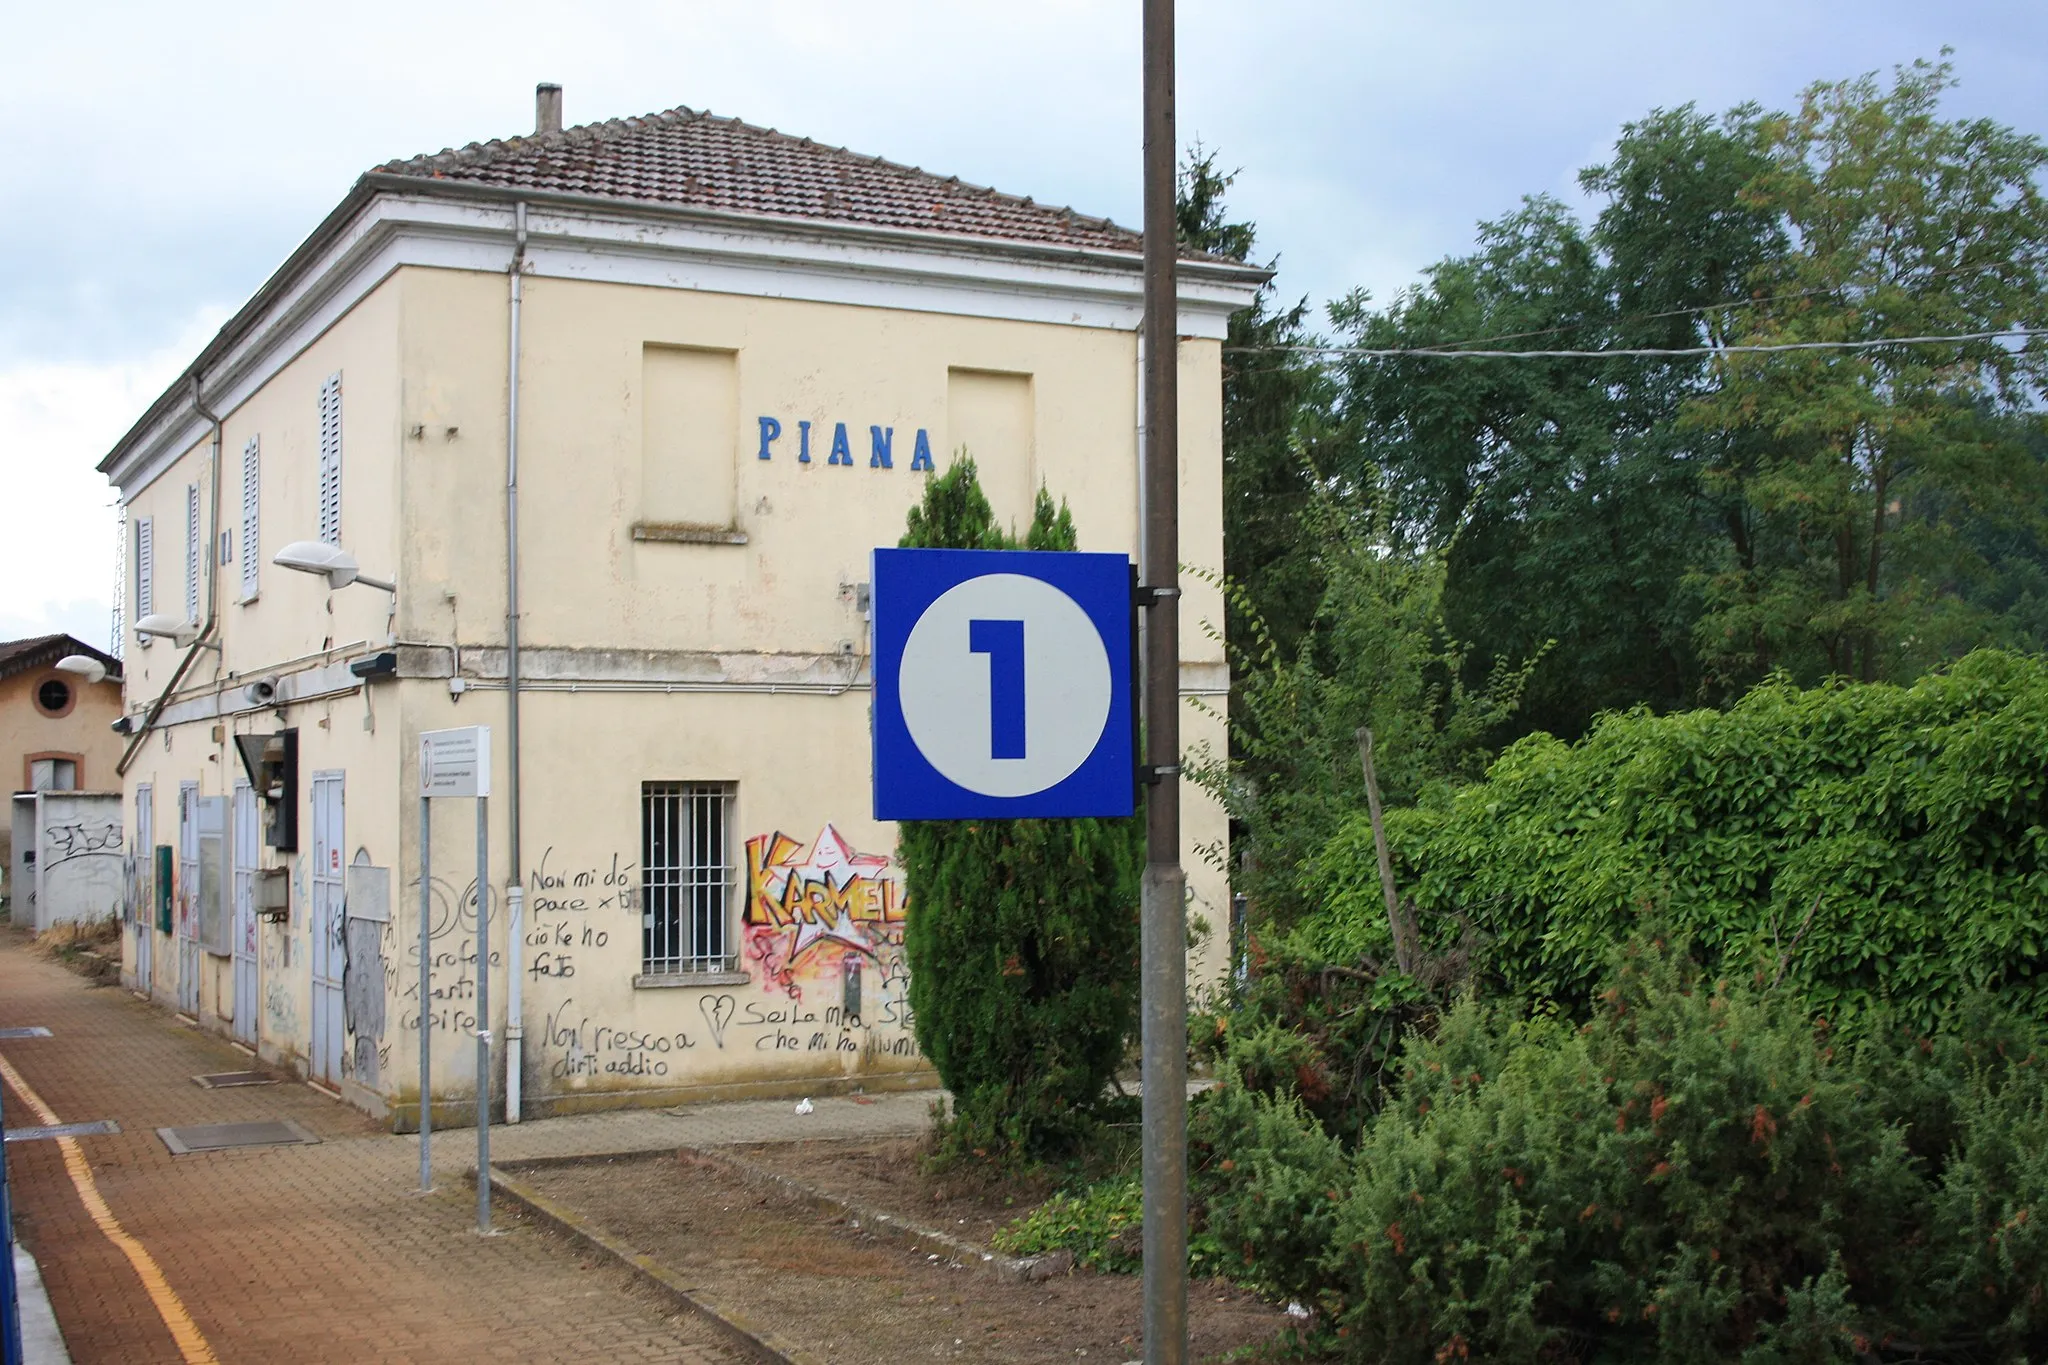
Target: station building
{"points": [[668, 380]]}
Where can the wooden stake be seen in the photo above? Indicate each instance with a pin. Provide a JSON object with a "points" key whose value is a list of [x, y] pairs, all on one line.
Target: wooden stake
{"points": [[1397, 922]]}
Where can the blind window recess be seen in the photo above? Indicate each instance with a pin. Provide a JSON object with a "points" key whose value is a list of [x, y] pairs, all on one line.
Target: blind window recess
{"points": [[687, 878], [145, 572], [330, 460], [252, 505]]}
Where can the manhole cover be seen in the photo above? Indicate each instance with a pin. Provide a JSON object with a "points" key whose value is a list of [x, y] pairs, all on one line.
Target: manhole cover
{"points": [[215, 1137], [38, 1031], [221, 1080], [97, 1128]]}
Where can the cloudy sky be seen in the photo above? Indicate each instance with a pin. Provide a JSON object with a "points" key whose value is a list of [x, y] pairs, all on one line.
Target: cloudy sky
{"points": [[165, 158]]}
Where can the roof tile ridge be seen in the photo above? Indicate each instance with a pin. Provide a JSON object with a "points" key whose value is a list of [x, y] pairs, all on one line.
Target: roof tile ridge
{"points": [[493, 150], [1022, 201]]}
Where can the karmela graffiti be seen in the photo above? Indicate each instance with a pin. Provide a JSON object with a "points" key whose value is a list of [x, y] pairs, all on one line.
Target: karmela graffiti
{"points": [[813, 915]]}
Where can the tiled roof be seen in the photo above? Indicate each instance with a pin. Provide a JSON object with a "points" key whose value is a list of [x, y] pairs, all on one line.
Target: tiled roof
{"points": [[40, 651], [686, 157]]}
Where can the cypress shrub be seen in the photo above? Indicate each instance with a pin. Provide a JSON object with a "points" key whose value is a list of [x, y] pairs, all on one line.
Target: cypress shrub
{"points": [[1697, 1173], [1021, 935]]}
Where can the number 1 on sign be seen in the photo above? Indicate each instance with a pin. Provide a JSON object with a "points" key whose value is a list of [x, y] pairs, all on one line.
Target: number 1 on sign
{"points": [[1003, 642]]}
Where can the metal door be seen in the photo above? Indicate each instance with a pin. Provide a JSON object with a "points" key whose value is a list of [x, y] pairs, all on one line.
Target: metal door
{"points": [[187, 935], [248, 837], [145, 887], [329, 953]]}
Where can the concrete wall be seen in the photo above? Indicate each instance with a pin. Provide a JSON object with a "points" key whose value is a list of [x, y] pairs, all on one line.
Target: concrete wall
{"points": [[78, 875]]}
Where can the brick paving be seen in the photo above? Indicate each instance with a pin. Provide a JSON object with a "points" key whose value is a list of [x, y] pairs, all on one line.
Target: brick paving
{"points": [[325, 1253]]}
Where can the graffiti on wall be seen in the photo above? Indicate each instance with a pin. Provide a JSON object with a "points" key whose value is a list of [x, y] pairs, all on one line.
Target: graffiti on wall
{"points": [[79, 874], [820, 946], [827, 919]]}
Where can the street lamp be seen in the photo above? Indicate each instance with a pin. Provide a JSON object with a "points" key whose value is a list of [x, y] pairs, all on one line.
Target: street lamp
{"points": [[176, 629], [332, 562], [85, 666]]}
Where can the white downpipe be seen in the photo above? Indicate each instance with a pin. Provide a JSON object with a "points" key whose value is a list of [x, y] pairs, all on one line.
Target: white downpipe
{"points": [[515, 896]]}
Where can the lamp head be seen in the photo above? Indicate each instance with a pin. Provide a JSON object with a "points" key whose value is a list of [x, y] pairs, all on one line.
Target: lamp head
{"points": [[84, 665], [337, 565], [174, 628]]}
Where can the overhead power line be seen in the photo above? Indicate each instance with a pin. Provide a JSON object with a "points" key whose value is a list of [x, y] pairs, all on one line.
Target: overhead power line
{"points": [[1433, 353], [1726, 305]]}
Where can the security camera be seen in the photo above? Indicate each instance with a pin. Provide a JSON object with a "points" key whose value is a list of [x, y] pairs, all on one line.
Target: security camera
{"points": [[262, 692]]}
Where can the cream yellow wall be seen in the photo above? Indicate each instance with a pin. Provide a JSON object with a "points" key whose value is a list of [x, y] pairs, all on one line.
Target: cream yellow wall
{"points": [[799, 762], [25, 729], [293, 615], [586, 583], [332, 737], [292, 621], [423, 364]]}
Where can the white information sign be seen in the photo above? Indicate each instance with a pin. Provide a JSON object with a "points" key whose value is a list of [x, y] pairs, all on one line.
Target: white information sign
{"points": [[456, 762]]}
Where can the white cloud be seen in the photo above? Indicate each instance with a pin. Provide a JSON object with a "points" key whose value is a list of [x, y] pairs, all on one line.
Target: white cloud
{"points": [[57, 512]]}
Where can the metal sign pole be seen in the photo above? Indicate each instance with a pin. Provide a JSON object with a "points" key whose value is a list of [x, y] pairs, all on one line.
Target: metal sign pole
{"points": [[426, 992], [483, 1016], [10, 1295], [1162, 914]]}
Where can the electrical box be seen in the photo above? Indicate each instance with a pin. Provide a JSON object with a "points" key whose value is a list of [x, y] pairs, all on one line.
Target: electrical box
{"points": [[272, 762], [166, 869], [273, 893]]}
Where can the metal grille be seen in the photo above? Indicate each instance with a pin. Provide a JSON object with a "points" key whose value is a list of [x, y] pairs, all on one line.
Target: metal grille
{"points": [[687, 875], [330, 460]]}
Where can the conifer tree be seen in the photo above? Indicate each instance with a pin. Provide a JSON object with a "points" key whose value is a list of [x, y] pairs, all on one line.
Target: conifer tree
{"points": [[1022, 935]]}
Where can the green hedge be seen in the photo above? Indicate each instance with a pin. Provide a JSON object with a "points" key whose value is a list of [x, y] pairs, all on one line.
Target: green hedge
{"points": [[1881, 843]]}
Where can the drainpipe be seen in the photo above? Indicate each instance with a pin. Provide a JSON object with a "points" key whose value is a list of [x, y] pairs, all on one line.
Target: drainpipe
{"points": [[515, 892], [210, 557]]}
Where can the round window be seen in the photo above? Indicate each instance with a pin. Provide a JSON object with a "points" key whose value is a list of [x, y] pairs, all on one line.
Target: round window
{"points": [[54, 695]]}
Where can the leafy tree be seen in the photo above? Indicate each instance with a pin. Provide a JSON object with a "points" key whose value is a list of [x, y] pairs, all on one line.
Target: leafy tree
{"points": [[1901, 224], [1570, 506], [1021, 935], [1281, 438], [1680, 526], [1375, 655]]}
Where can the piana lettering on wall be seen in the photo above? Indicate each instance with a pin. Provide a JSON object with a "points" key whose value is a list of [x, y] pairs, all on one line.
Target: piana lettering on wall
{"points": [[881, 445]]}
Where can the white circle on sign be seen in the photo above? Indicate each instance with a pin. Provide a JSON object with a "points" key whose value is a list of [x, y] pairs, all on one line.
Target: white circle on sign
{"points": [[962, 705]]}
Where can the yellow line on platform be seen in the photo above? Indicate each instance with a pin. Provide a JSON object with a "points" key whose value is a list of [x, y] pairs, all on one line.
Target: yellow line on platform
{"points": [[191, 1344]]}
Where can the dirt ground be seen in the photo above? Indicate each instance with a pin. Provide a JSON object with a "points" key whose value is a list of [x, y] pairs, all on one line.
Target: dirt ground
{"points": [[854, 1299], [884, 1175]]}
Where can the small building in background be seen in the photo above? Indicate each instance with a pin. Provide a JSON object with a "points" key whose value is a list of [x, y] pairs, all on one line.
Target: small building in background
{"points": [[54, 735]]}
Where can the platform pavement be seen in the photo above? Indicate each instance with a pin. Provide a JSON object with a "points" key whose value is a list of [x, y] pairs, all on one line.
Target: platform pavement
{"points": [[323, 1253]]}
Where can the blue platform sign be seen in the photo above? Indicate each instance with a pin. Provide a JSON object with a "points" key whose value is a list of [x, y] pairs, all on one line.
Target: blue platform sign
{"points": [[1002, 685]]}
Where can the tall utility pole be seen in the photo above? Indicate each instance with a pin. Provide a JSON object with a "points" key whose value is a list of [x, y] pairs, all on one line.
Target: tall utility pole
{"points": [[1162, 914]]}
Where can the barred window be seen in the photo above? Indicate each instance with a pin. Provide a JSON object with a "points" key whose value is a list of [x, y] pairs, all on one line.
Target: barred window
{"points": [[686, 877]]}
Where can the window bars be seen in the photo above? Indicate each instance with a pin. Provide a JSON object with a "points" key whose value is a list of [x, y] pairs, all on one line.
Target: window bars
{"points": [[686, 877]]}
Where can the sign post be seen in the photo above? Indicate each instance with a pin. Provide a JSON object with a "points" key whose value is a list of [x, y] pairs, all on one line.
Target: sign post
{"points": [[1162, 913], [458, 763], [1002, 685]]}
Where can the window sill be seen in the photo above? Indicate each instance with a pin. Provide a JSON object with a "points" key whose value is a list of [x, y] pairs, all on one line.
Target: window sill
{"points": [[656, 981], [248, 601], [687, 533]]}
